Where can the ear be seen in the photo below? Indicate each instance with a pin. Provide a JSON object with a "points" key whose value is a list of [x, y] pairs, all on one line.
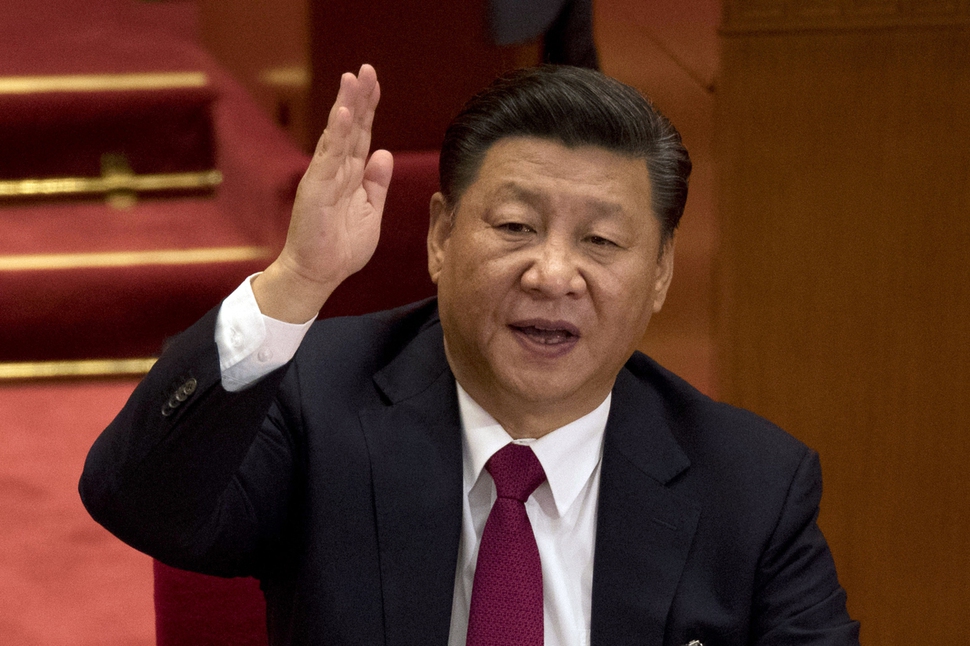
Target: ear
{"points": [[439, 230], [663, 274]]}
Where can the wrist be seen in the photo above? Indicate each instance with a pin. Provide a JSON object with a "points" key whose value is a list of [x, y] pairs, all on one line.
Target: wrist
{"points": [[288, 296]]}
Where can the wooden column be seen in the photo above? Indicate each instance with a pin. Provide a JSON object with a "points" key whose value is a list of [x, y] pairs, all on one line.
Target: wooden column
{"points": [[265, 45], [843, 144]]}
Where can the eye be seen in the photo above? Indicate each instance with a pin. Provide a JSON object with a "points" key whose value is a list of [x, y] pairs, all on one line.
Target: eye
{"points": [[515, 227], [600, 241]]}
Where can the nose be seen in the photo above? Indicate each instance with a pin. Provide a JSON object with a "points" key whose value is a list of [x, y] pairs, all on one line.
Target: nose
{"points": [[554, 271]]}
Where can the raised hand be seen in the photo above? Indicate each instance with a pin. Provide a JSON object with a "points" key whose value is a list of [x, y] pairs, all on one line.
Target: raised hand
{"points": [[336, 218]]}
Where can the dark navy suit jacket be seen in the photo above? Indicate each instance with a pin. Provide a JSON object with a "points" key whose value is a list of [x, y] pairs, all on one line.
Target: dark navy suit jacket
{"points": [[337, 481]]}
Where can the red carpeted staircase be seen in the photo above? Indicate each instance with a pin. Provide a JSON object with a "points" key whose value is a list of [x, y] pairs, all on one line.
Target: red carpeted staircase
{"points": [[138, 182]]}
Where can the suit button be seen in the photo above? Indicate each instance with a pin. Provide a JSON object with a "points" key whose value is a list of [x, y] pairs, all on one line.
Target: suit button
{"points": [[179, 396], [189, 386], [185, 390]]}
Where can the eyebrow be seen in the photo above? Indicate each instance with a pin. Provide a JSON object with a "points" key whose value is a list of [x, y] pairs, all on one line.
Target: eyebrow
{"points": [[515, 191]]}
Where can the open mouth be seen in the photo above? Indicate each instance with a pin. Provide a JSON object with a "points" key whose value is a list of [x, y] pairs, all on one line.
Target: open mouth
{"points": [[547, 333]]}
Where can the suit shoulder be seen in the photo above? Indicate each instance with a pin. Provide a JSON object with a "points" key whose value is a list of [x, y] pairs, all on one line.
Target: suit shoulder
{"points": [[703, 425], [340, 348], [742, 467]]}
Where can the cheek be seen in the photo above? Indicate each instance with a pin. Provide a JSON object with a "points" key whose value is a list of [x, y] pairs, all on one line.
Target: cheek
{"points": [[486, 279], [623, 299], [614, 286]]}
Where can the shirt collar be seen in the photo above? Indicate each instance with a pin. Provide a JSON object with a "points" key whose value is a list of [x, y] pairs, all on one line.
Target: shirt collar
{"points": [[568, 455]]}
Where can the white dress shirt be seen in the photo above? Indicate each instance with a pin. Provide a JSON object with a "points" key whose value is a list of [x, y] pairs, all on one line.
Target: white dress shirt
{"points": [[562, 510], [250, 344]]}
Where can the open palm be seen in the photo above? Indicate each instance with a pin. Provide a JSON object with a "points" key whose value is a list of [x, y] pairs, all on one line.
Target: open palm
{"points": [[336, 218]]}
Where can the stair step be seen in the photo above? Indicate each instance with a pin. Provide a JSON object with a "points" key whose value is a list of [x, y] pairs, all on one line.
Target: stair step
{"points": [[120, 126], [116, 103]]}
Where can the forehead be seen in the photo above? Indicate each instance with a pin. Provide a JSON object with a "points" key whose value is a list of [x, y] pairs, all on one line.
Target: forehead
{"points": [[534, 169]]}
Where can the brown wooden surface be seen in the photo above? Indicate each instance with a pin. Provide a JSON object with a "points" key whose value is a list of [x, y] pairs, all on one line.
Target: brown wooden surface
{"points": [[668, 49], [844, 306], [265, 45]]}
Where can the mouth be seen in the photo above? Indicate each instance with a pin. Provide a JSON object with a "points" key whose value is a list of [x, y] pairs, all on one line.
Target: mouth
{"points": [[546, 333]]}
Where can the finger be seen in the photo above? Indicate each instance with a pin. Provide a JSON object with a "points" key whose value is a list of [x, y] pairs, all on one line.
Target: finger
{"points": [[347, 134], [332, 147], [365, 121], [346, 95], [367, 98], [358, 95], [377, 178], [367, 78], [337, 125]]}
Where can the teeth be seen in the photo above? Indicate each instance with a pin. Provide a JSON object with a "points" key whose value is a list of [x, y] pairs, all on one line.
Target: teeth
{"points": [[549, 337]]}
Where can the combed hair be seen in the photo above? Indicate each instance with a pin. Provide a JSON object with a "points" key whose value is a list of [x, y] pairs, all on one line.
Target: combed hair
{"points": [[577, 107]]}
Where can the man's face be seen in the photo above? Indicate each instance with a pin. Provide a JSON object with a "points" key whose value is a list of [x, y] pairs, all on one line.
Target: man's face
{"points": [[547, 273]]}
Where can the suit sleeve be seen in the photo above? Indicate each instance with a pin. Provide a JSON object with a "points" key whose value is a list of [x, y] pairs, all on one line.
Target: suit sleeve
{"points": [[167, 477], [798, 599]]}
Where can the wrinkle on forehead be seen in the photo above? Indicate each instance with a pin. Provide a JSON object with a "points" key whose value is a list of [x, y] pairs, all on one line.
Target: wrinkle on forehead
{"points": [[514, 191]]}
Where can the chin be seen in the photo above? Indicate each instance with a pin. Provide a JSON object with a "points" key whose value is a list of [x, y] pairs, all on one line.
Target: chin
{"points": [[539, 389]]}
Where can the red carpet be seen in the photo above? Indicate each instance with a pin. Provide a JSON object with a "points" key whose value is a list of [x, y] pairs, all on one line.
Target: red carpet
{"points": [[64, 581], [80, 279]]}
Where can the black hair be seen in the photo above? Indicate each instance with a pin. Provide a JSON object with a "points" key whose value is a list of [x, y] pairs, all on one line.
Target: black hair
{"points": [[577, 107]]}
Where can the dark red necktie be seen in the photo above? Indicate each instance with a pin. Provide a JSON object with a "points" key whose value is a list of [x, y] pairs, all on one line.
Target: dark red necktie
{"points": [[506, 606]]}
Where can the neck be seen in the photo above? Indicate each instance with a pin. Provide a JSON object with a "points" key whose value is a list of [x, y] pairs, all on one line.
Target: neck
{"points": [[531, 419]]}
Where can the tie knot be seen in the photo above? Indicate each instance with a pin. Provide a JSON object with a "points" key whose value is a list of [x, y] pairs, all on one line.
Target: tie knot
{"points": [[516, 471]]}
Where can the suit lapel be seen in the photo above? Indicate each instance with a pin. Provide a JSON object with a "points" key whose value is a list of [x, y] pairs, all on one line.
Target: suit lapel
{"points": [[644, 531], [415, 448]]}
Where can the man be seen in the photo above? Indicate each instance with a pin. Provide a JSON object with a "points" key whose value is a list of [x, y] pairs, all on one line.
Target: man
{"points": [[357, 480]]}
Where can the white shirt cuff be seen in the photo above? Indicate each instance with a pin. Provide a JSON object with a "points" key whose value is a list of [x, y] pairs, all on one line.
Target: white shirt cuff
{"points": [[251, 345]]}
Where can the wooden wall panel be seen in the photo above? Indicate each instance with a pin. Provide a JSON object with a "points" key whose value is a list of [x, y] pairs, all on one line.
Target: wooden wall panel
{"points": [[844, 312], [265, 45]]}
